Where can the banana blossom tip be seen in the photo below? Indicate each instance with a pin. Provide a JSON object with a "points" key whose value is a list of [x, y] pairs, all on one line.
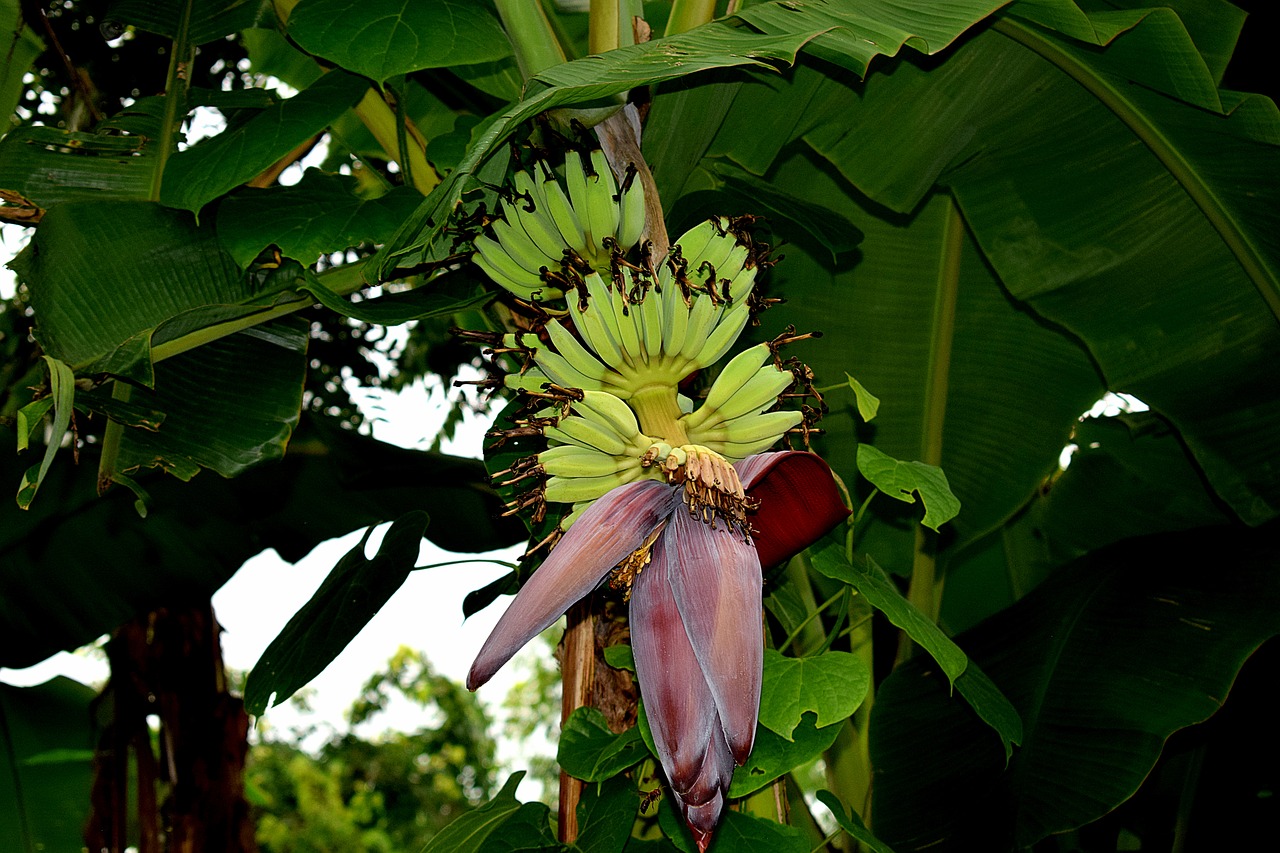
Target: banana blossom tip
{"points": [[695, 610]]}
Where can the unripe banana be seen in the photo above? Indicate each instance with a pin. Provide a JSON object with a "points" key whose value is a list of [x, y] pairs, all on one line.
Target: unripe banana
{"points": [[738, 372], [758, 394], [608, 411], [700, 320], [749, 429], [602, 200], [735, 451], [567, 220], [575, 178], [516, 242], [574, 353], [585, 433], [564, 374], [568, 460], [741, 285], [650, 309], [502, 268], [538, 224], [627, 320], [531, 380], [694, 241], [675, 319], [573, 489], [715, 252], [726, 331], [631, 218], [598, 323]]}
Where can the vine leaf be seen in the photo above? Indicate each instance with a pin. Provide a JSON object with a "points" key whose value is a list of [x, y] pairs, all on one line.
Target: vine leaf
{"points": [[904, 480], [831, 685]]}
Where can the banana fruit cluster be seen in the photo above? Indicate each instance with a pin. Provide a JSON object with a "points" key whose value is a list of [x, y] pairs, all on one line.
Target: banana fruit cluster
{"points": [[613, 358], [545, 229]]}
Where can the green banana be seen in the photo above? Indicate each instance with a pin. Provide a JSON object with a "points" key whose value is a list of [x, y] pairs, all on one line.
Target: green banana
{"points": [[627, 319], [675, 319], [735, 451], [598, 324], [602, 201], [757, 394], [538, 224], [700, 319], [575, 178], [568, 347], [503, 269], [750, 428], [574, 489], [564, 374], [569, 460], [567, 220], [520, 248], [738, 372], [608, 411], [726, 331], [631, 217], [586, 433], [650, 309], [693, 242]]}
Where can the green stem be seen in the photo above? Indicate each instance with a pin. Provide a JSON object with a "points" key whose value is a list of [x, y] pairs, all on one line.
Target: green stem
{"points": [[924, 591], [603, 35], [111, 436], [659, 414], [399, 139], [175, 95], [341, 280], [532, 36], [687, 14], [814, 613]]}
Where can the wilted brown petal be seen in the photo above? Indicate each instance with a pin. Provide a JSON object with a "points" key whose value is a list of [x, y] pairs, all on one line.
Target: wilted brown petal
{"points": [[682, 714], [610, 529], [799, 502], [715, 579]]}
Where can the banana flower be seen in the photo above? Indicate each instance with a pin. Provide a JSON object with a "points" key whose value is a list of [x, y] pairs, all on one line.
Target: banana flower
{"points": [[695, 608], [676, 502]]}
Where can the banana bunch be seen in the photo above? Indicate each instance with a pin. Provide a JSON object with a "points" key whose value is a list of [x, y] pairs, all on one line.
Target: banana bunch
{"points": [[683, 319], [545, 228], [732, 419]]}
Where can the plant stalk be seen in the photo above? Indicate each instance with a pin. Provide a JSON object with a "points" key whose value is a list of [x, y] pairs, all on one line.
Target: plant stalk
{"points": [[532, 36], [176, 85]]}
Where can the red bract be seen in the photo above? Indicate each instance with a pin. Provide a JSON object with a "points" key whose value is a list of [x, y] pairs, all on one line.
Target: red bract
{"points": [[695, 611]]}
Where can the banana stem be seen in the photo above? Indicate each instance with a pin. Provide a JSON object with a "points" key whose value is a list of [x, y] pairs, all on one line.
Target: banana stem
{"points": [[659, 414], [687, 14], [381, 120], [175, 95], [532, 36]]}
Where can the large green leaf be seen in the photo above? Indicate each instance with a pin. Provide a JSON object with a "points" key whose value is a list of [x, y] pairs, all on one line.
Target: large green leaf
{"points": [[396, 37], [197, 176], [228, 406], [104, 276], [319, 214], [1104, 661], [208, 19], [75, 566], [1152, 238], [352, 594], [46, 765], [48, 166]]}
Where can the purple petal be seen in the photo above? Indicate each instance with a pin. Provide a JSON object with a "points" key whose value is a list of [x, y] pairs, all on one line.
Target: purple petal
{"points": [[799, 502], [681, 712], [717, 773], [716, 583], [610, 529]]}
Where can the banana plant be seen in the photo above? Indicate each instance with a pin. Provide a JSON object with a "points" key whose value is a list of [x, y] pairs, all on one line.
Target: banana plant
{"points": [[993, 212]]}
